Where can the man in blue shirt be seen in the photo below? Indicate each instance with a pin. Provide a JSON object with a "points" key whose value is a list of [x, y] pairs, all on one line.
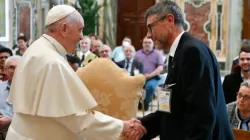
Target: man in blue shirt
{"points": [[6, 111], [118, 53]]}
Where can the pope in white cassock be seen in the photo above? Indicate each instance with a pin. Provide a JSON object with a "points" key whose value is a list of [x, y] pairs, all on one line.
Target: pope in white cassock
{"points": [[50, 102]]}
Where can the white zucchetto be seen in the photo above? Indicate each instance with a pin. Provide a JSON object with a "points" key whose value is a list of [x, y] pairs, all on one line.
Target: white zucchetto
{"points": [[57, 13]]}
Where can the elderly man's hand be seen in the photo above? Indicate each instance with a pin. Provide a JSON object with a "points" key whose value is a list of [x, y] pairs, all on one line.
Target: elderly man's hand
{"points": [[133, 129], [4, 121]]}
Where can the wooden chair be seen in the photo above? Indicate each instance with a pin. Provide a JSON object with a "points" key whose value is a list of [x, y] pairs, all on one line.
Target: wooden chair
{"points": [[241, 134]]}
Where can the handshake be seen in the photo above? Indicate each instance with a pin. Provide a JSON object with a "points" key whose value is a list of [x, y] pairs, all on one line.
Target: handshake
{"points": [[133, 130]]}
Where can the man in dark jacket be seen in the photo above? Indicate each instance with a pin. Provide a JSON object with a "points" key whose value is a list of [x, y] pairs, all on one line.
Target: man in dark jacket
{"points": [[131, 65], [197, 108]]}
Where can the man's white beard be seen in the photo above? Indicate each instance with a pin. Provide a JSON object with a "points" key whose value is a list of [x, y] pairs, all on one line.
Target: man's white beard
{"points": [[84, 50]]}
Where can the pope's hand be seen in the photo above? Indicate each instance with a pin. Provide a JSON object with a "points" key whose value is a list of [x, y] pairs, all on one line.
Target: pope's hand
{"points": [[133, 129]]}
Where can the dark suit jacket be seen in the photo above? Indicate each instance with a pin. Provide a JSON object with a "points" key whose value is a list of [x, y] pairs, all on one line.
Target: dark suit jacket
{"points": [[231, 85], [135, 65], [198, 109]]}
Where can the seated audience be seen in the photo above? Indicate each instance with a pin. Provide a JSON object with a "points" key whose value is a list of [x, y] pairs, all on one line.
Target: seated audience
{"points": [[239, 111], [132, 66], [6, 110], [231, 83]]}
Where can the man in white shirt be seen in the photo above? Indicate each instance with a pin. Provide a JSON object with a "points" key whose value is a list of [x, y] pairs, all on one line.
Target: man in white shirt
{"points": [[85, 55], [49, 100]]}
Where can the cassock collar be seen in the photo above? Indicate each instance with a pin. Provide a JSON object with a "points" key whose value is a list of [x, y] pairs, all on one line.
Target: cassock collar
{"points": [[59, 48]]}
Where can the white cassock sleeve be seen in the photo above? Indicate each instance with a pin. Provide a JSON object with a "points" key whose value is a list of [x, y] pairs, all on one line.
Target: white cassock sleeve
{"points": [[93, 126]]}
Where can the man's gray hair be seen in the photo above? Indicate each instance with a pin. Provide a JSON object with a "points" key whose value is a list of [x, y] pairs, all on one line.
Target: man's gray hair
{"points": [[164, 8], [105, 46], [245, 83], [130, 46], [16, 58]]}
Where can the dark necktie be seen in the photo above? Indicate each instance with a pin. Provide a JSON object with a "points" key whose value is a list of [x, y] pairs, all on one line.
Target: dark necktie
{"points": [[170, 58], [83, 57], [127, 65]]}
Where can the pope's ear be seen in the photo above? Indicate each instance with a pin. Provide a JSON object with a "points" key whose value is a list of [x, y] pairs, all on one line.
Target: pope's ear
{"points": [[63, 29]]}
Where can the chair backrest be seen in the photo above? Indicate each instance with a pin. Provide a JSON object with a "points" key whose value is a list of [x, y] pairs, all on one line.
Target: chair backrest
{"points": [[116, 93], [241, 134]]}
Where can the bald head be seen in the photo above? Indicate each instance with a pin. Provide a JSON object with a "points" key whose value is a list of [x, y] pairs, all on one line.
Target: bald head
{"points": [[105, 51], [67, 30], [129, 52]]}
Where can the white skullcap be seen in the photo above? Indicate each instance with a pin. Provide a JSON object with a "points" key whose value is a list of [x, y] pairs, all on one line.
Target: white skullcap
{"points": [[58, 12]]}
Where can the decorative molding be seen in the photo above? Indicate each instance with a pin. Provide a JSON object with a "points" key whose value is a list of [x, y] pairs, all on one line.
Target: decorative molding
{"points": [[197, 3], [5, 38]]}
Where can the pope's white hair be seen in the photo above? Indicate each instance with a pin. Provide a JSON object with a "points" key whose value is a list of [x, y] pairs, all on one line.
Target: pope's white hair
{"points": [[16, 58]]}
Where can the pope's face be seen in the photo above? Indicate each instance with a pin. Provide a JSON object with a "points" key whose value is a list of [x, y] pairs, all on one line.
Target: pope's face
{"points": [[75, 32]]}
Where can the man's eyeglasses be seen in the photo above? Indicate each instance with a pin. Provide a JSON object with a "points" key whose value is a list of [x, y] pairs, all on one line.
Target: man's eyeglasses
{"points": [[245, 97], [106, 51], [1, 57], [153, 23]]}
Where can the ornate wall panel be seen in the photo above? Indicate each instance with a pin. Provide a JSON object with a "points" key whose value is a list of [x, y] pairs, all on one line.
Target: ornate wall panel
{"points": [[207, 20]]}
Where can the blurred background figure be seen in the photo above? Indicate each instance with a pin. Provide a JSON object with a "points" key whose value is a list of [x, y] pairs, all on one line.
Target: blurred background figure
{"points": [[6, 110], [4, 54], [231, 83], [95, 46], [105, 51], [84, 54], [132, 66], [118, 53], [74, 62], [22, 46], [93, 37], [153, 65]]}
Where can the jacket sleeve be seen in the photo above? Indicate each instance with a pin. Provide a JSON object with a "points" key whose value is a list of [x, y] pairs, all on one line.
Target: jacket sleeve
{"points": [[152, 123]]}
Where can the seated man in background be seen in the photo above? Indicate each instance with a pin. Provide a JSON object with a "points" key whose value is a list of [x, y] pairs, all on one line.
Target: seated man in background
{"points": [[4, 54], [74, 62], [132, 66], [153, 66], [95, 46], [118, 53], [239, 111], [105, 51], [231, 83], [85, 55], [6, 110]]}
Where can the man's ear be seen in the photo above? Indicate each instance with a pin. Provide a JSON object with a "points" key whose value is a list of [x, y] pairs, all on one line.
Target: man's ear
{"points": [[63, 29]]}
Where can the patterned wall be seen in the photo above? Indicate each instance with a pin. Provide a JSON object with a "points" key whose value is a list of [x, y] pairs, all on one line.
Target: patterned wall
{"points": [[207, 20]]}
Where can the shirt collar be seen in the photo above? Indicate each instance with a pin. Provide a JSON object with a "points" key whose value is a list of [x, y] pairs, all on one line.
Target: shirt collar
{"points": [[59, 48], [130, 61], [242, 77], [175, 44], [87, 53]]}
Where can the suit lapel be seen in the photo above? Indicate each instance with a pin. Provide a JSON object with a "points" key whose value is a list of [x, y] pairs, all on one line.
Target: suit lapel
{"points": [[177, 55], [133, 67]]}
